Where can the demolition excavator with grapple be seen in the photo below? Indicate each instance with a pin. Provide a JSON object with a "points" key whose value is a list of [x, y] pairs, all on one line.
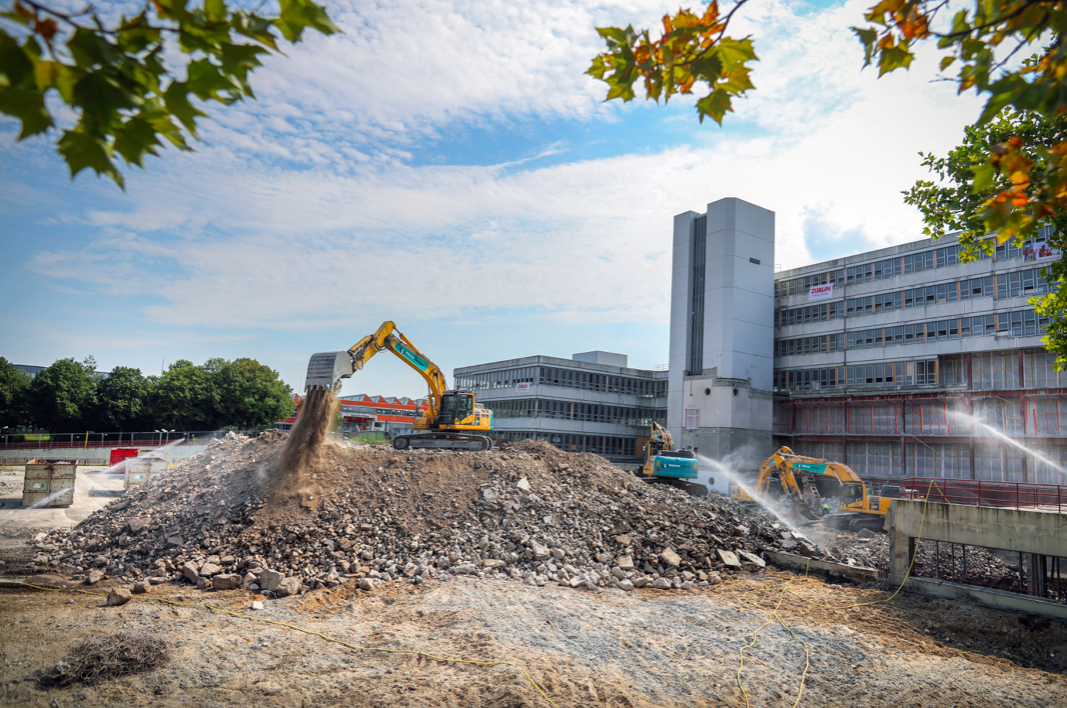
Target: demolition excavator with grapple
{"points": [[454, 420]]}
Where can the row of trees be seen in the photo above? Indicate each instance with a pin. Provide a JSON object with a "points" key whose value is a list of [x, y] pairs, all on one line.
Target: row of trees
{"points": [[71, 396]]}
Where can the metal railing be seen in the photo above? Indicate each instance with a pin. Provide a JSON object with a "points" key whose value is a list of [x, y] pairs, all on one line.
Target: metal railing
{"points": [[68, 441], [949, 562], [974, 492]]}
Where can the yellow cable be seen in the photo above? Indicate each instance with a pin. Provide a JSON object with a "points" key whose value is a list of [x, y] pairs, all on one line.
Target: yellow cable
{"points": [[773, 614], [434, 657]]}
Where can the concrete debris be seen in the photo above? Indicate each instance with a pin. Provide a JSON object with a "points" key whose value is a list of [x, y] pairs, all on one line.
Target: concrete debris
{"points": [[257, 605], [374, 515]]}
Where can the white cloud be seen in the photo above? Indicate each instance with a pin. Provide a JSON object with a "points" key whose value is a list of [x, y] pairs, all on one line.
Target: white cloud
{"points": [[246, 241]]}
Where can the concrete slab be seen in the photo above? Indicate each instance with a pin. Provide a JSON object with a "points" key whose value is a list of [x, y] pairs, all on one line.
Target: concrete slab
{"points": [[988, 597], [856, 573]]}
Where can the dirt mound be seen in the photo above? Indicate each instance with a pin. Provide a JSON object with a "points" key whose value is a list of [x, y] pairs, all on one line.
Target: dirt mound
{"points": [[374, 514]]}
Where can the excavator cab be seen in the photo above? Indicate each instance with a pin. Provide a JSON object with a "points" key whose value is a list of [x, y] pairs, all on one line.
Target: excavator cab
{"points": [[455, 408]]}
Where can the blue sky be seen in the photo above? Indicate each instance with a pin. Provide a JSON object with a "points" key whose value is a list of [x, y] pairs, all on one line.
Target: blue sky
{"points": [[459, 175]]}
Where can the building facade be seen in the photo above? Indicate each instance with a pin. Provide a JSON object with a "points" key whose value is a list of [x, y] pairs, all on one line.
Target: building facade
{"points": [[386, 414], [907, 362], [592, 402], [722, 329]]}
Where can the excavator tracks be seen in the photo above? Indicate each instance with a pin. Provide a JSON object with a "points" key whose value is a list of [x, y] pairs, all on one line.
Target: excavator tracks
{"points": [[442, 441]]}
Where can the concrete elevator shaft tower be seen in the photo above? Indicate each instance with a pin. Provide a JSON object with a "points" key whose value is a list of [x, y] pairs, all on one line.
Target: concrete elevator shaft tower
{"points": [[719, 396]]}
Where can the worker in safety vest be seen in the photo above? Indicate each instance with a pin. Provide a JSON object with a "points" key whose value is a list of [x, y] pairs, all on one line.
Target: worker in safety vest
{"points": [[825, 509]]}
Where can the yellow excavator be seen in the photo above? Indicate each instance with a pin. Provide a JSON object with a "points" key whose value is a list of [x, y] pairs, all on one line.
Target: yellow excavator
{"points": [[807, 483], [454, 420]]}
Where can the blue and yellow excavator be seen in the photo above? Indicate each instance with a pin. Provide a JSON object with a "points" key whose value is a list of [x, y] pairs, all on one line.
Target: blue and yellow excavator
{"points": [[665, 465], [454, 420]]}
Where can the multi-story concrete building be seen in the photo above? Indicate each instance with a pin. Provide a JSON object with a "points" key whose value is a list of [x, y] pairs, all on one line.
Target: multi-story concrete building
{"points": [[722, 329], [907, 362], [591, 403]]}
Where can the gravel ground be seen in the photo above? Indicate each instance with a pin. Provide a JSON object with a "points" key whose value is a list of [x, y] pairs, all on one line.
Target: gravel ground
{"points": [[601, 647]]}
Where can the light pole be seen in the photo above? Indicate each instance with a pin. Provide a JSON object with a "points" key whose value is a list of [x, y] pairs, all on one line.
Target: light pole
{"points": [[5, 434], [168, 432], [87, 432], [160, 438]]}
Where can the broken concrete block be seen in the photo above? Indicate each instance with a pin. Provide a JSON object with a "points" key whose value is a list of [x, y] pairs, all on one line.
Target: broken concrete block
{"points": [[118, 596]]}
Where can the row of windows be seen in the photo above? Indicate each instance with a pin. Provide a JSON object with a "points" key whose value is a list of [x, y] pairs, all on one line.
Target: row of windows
{"points": [[811, 313], [597, 444], [1020, 323], [568, 410], [364, 410], [1007, 285], [904, 373], [913, 263], [564, 378], [810, 345], [1023, 282]]}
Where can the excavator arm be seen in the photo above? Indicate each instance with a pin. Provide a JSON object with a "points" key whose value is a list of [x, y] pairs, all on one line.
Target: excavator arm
{"points": [[326, 369]]}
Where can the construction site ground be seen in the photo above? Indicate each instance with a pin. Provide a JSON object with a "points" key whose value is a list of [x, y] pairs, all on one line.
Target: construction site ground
{"points": [[601, 647]]}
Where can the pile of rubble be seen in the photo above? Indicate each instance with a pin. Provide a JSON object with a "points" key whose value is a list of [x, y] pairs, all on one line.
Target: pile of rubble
{"points": [[372, 515]]}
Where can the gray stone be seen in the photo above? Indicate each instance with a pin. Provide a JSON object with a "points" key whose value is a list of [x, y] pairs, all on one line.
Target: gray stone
{"points": [[366, 584], [138, 525], [226, 581], [539, 552], [174, 541], [157, 580], [99, 561], [142, 586], [493, 563], [787, 544], [866, 533], [577, 582], [270, 580], [688, 584], [257, 605], [714, 579], [661, 584], [118, 596], [523, 485], [558, 553], [669, 557], [191, 571], [489, 494], [625, 585], [204, 584], [642, 581], [289, 586], [618, 573], [625, 562], [95, 576]]}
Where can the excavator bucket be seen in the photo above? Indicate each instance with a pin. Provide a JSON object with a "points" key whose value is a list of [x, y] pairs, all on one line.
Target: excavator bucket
{"points": [[326, 369]]}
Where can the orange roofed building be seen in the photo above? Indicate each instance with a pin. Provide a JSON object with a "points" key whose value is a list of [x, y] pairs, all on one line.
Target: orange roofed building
{"points": [[361, 412]]}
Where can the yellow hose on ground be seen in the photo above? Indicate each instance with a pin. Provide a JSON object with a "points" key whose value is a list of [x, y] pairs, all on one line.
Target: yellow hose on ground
{"points": [[294, 627], [774, 616]]}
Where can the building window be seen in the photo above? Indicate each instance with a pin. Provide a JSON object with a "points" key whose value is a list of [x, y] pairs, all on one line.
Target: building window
{"points": [[692, 418], [697, 264]]}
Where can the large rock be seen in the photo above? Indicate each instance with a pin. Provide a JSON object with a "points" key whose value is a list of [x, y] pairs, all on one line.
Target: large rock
{"points": [[669, 557], [728, 558], [751, 559], [270, 580], [95, 576], [226, 581], [191, 571], [661, 584], [625, 562], [539, 552], [118, 596], [289, 586], [209, 569], [142, 586]]}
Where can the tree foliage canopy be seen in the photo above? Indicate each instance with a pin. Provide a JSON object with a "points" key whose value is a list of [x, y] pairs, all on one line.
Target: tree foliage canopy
{"points": [[1009, 178], [70, 397], [116, 77]]}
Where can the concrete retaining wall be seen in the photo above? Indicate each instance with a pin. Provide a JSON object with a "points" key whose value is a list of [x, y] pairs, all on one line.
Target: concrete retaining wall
{"points": [[93, 455]]}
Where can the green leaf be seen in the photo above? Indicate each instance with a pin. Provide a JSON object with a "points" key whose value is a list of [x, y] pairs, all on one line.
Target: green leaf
{"points": [[101, 96], [176, 99], [28, 106], [205, 80], [946, 62], [84, 151], [90, 49], [867, 37], [297, 15], [984, 175], [16, 68], [52, 74], [893, 58], [716, 104], [134, 139]]}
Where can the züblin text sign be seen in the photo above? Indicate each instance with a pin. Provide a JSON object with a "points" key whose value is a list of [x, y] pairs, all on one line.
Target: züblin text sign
{"points": [[819, 292]]}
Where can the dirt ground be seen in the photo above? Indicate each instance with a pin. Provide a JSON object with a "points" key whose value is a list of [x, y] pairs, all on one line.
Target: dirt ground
{"points": [[585, 648]]}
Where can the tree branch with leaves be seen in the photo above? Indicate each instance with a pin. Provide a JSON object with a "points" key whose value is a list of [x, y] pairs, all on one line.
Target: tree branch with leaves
{"points": [[127, 101]]}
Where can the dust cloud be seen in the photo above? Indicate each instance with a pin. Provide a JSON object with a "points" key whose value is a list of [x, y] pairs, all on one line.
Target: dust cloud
{"points": [[304, 446]]}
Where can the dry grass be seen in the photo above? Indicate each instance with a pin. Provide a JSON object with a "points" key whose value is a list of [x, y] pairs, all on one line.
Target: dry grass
{"points": [[104, 658]]}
